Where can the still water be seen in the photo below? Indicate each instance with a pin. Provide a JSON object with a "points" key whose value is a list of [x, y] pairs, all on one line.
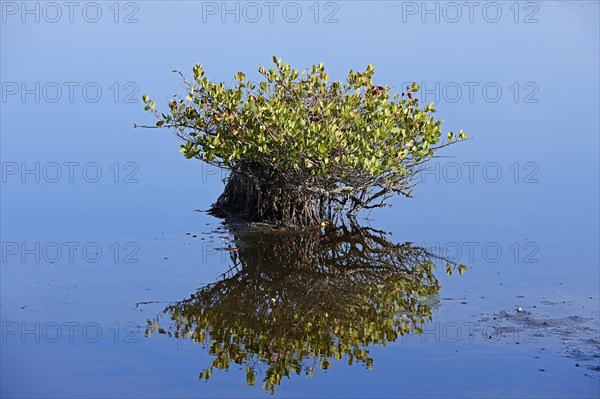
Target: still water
{"points": [[114, 283]]}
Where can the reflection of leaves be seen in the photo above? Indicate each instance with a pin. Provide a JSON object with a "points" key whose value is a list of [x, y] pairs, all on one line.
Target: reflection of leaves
{"points": [[296, 300]]}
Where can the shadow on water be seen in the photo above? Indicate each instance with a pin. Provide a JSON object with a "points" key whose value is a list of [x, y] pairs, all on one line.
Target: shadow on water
{"points": [[294, 301]]}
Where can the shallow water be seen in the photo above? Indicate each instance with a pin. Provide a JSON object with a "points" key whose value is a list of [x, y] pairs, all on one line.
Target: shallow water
{"points": [[95, 214]]}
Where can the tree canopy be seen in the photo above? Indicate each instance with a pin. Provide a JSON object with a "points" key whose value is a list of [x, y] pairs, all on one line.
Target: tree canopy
{"points": [[301, 148]]}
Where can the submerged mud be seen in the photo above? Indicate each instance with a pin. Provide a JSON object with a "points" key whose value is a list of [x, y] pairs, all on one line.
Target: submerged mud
{"points": [[573, 336]]}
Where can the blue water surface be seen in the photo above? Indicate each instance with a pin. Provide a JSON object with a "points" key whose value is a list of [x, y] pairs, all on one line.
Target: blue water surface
{"points": [[94, 213]]}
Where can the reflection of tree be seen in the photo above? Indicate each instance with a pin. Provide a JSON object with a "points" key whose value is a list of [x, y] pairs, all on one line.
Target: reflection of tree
{"points": [[295, 300]]}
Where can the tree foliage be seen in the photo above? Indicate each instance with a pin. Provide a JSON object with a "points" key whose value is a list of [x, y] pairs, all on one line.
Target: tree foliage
{"points": [[301, 148]]}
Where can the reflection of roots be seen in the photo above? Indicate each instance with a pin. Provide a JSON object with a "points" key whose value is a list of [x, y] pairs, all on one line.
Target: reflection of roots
{"points": [[295, 300]]}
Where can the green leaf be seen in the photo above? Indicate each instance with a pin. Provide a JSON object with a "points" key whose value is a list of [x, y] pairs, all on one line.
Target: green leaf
{"points": [[448, 269]]}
